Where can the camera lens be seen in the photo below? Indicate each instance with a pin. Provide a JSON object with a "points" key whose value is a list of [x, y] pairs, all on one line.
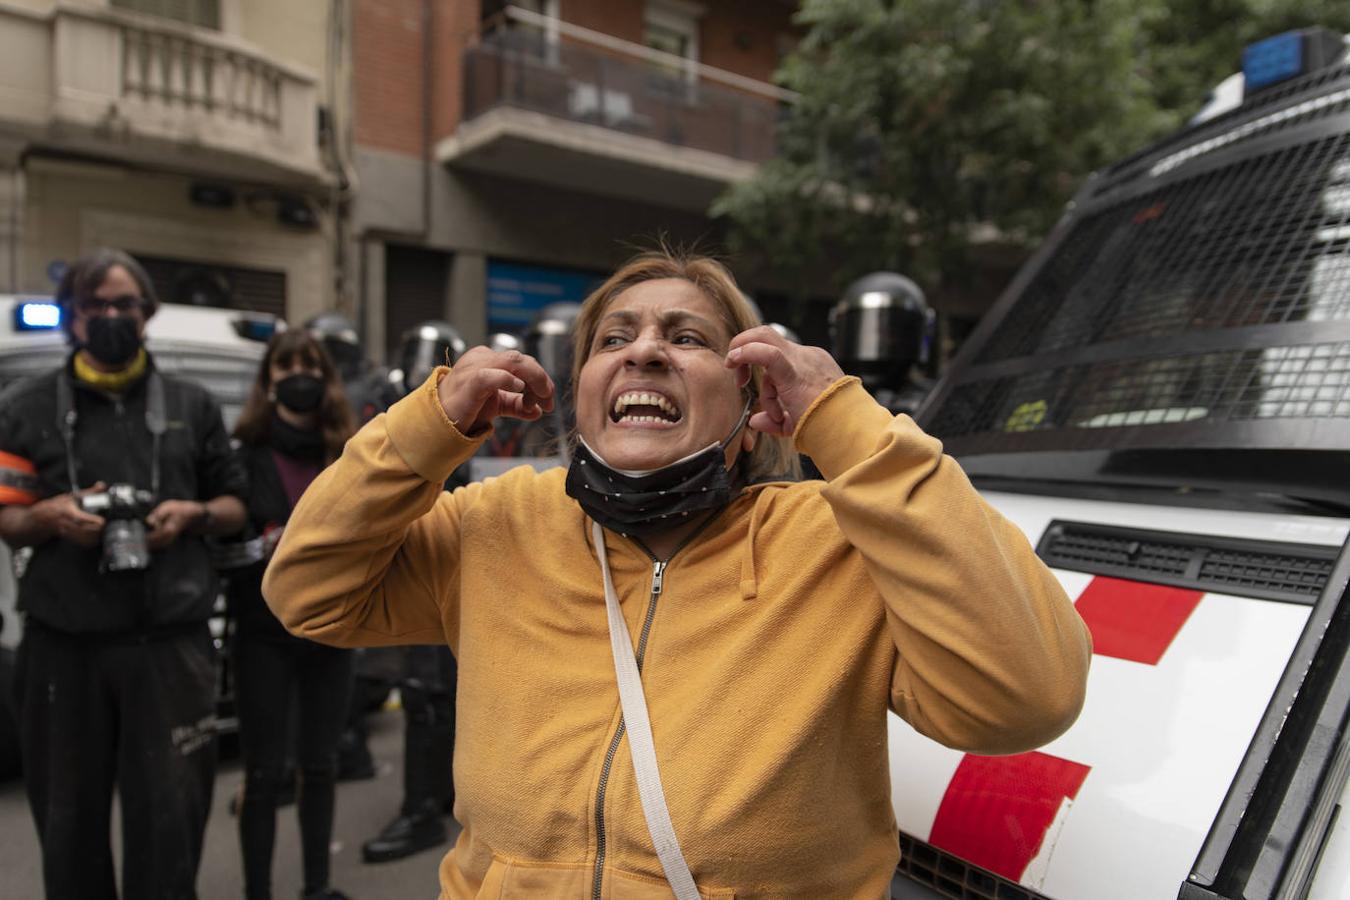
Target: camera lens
{"points": [[124, 547]]}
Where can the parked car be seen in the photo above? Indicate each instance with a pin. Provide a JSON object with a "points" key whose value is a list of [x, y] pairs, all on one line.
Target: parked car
{"points": [[219, 348], [1161, 401]]}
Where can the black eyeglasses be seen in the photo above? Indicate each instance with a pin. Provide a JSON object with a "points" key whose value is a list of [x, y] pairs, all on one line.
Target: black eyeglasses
{"points": [[95, 306]]}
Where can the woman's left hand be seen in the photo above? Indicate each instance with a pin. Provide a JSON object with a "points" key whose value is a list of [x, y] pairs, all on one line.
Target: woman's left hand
{"points": [[794, 376]]}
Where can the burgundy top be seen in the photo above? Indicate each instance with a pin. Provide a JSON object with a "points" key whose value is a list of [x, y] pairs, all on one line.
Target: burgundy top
{"points": [[296, 474]]}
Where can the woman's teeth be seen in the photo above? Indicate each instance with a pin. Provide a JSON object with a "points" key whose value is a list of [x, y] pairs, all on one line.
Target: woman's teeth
{"points": [[642, 398]]}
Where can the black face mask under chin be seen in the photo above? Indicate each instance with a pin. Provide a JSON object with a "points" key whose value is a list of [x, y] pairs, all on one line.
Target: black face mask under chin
{"points": [[113, 341], [637, 504]]}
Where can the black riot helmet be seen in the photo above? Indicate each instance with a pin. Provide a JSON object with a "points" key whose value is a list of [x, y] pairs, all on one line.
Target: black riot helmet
{"points": [[340, 338], [881, 328], [424, 347], [502, 341], [549, 340]]}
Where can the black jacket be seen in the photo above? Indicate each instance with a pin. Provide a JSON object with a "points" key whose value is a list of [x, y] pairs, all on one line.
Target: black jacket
{"points": [[62, 587], [267, 505]]}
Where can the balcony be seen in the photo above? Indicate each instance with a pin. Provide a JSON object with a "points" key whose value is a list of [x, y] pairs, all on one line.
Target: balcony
{"points": [[152, 91], [551, 102]]}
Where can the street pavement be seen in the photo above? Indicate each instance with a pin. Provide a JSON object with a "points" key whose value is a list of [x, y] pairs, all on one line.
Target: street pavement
{"points": [[363, 808]]}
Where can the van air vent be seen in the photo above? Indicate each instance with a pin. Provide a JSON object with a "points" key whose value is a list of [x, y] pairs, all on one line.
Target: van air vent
{"points": [[951, 876], [1266, 570]]}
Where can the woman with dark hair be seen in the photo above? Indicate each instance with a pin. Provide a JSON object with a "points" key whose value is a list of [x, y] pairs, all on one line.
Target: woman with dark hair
{"points": [[294, 423]]}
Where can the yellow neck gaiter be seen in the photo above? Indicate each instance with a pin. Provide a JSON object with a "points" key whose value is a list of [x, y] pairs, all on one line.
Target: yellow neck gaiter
{"points": [[116, 382]]}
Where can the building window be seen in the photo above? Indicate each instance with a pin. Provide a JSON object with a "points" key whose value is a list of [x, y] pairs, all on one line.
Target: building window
{"points": [[203, 13], [671, 26]]}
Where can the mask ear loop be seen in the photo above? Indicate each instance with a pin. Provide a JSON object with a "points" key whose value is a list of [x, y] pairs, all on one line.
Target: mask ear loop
{"points": [[745, 416]]}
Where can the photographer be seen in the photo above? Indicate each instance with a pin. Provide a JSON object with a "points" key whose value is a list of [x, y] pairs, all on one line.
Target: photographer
{"points": [[116, 473]]}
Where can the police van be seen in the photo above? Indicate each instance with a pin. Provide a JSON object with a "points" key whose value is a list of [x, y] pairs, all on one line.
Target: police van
{"points": [[218, 348], [1161, 401]]}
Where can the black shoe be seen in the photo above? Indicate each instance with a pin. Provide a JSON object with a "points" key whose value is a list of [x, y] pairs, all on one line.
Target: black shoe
{"points": [[405, 836], [325, 894]]}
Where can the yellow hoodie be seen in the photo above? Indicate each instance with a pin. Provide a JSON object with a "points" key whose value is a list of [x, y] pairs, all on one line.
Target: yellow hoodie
{"points": [[781, 635]]}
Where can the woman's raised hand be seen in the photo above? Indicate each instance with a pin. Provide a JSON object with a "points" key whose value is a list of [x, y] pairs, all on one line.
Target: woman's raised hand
{"points": [[794, 376], [485, 384]]}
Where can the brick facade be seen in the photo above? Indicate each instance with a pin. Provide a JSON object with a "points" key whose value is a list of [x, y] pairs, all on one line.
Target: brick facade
{"points": [[387, 46], [744, 37], [387, 73], [621, 18]]}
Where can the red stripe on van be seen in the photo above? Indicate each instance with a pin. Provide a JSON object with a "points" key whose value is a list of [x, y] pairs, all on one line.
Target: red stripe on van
{"points": [[1133, 620], [997, 809]]}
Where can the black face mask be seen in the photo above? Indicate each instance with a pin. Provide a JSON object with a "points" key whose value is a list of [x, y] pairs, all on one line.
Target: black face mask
{"points": [[300, 393], [113, 340], [637, 504]]}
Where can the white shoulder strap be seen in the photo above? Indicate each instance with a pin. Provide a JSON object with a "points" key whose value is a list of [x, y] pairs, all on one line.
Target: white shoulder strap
{"points": [[640, 743]]}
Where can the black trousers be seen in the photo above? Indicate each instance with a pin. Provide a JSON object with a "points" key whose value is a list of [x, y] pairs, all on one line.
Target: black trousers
{"points": [[428, 692], [272, 679], [137, 715]]}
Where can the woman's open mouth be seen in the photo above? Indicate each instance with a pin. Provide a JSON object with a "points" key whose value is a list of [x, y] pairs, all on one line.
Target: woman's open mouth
{"points": [[644, 407]]}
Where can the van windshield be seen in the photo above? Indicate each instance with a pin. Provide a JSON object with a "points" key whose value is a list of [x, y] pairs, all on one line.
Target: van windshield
{"points": [[1197, 297]]}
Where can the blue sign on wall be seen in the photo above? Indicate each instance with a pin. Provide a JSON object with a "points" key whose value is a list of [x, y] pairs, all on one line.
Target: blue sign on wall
{"points": [[515, 292]]}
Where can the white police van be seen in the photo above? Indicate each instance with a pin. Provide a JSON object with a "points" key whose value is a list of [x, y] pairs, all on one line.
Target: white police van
{"points": [[220, 349], [1161, 401]]}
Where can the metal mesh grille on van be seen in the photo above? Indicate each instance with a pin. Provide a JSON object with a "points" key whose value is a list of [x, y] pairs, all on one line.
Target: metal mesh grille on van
{"points": [[1289, 382], [1184, 311], [1261, 569], [951, 876], [1261, 241]]}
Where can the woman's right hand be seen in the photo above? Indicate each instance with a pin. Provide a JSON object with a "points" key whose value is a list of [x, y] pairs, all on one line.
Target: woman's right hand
{"points": [[485, 384]]}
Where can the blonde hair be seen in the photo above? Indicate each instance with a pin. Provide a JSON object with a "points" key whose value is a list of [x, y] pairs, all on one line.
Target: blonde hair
{"points": [[772, 456]]}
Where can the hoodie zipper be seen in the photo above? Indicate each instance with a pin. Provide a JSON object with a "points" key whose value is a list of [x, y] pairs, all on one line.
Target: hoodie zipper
{"points": [[658, 584]]}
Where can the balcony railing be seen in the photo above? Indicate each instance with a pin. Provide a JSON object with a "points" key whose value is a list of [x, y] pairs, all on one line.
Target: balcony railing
{"points": [[172, 71], [158, 86], [620, 87]]}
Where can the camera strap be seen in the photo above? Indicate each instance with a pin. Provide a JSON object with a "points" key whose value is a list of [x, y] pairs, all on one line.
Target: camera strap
{"points": [[156, 421]]}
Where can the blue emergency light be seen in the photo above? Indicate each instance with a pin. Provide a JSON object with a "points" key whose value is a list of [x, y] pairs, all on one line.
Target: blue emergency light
{"points": [[37, 316], [1274, 59], [1284, 56], [258, 327]]}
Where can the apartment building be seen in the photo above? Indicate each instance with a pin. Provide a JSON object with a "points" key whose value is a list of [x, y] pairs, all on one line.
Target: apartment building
{"points": [[203, 136], [509, 156]]}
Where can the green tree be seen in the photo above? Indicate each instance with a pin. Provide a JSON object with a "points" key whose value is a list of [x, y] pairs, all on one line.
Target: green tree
{"points": [[924, 126]]}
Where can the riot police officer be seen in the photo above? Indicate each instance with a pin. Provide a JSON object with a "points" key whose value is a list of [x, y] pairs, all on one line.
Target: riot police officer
{"points": [[881, 330], [549, 340], [367, 386], [422, 348], [427, 678], [370, 393]]}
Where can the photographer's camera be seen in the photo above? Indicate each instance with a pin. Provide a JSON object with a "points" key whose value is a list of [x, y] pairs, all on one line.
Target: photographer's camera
{"points": [[125, 508]]}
